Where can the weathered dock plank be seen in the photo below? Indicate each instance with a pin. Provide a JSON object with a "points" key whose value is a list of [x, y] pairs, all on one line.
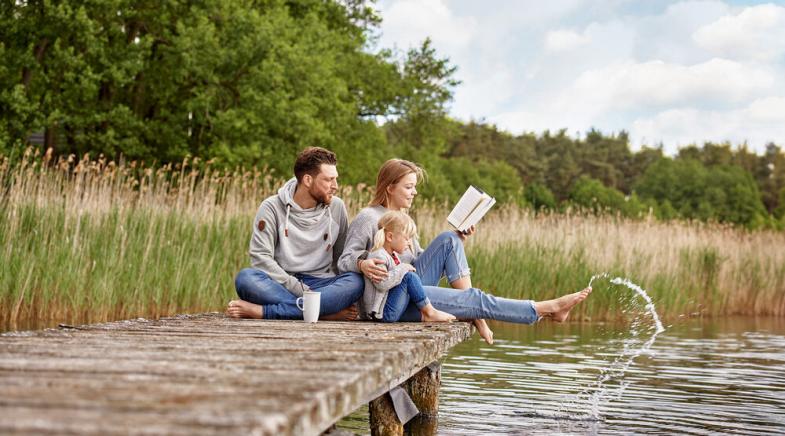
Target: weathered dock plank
{"points": [[207, 374]]}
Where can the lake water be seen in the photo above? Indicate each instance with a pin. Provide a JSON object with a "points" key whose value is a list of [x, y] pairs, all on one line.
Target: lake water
{"points": [[698, 377]]}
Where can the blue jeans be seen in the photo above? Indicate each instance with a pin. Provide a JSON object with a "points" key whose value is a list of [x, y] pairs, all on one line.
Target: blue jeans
{"points": [[338, 293], [398, 297], [443, 257], [473, 303]]}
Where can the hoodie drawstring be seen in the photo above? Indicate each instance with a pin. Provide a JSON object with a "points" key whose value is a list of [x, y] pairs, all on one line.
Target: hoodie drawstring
{"points": [[329, 225], [329, 228], [286, 223]]}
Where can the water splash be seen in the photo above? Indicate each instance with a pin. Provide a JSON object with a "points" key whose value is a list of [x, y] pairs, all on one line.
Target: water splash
{"points": [[598, 276], [649, 304], [605, 389]]}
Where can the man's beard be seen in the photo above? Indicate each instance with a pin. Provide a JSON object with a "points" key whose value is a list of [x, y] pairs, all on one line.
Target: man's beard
{"points": [[321, 197]]}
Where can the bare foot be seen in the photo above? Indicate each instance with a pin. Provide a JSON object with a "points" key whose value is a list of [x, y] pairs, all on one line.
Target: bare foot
{"points": [[559, 309], [243, 309], [348, 314], [484, 331], [430, 314], [567, 302]]}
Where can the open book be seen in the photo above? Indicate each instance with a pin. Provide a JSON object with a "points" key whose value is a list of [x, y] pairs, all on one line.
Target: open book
{"points": [[472, 206]]}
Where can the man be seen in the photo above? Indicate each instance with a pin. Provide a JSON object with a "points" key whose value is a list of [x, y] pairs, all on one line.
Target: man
{"points": [[297, 238]]}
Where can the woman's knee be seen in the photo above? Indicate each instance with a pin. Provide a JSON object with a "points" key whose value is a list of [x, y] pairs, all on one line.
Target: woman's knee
{"points": [[476, 294], [450, 238]]}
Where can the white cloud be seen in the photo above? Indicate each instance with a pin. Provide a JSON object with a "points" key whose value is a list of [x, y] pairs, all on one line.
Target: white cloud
{"points": [[608, 98], [760, 122], [529, 121], [409, 22], [668, 36], [489, 86], [565, 40], [656, 83], [767, 110], [756, 33], [686, 16], [528, 65]]}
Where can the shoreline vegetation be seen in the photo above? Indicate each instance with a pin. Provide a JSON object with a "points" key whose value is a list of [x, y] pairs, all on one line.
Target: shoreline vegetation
{"points": [[87, 241]]}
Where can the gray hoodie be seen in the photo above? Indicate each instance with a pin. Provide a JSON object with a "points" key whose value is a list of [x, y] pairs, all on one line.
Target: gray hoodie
{"points": [[287, 239]]}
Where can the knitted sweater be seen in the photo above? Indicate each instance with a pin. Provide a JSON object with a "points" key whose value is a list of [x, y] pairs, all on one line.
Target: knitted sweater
{"points": [[359, 240], [375, 294]]}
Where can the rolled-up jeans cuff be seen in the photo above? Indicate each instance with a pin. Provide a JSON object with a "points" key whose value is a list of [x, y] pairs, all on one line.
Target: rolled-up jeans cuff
{"points": [[463, 273], [422, 303]]}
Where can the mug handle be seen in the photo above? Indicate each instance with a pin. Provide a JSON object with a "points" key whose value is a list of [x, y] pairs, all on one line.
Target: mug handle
{"points": [[298, 302]]}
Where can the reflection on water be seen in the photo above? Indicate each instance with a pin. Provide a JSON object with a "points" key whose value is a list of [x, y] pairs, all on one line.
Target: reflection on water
{"points": [[699, 377]]}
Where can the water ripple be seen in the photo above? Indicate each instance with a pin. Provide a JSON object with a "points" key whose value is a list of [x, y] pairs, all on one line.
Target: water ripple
{"points": [[690, 382]]}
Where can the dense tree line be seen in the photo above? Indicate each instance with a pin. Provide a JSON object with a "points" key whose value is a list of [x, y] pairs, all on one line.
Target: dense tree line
{"points": [[601, 172], [251, 82], [246, 82]]}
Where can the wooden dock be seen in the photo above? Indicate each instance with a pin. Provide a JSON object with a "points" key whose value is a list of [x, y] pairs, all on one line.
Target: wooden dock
{"points": [[207, 374]]}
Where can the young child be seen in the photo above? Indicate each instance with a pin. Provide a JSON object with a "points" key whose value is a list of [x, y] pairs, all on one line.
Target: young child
{"points": [[387, 300]]}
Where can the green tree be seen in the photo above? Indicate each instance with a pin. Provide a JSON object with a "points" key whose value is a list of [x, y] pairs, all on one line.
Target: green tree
{"points": [[605, 157], [771, 178], [421, 127], [779, 212], [245, 81], [539, 196], [724, 193], [594, 195]]}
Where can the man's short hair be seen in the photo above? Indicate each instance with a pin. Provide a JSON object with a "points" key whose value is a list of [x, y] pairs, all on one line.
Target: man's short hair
{"points": [[310, 160]]}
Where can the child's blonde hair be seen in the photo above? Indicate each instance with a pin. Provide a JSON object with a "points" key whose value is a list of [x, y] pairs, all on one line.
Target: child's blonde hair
{"points": [[393, 221]]}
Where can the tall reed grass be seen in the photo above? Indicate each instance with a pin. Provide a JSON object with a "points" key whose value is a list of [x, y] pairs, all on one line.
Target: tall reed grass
{"points": [[92, 240], [688, 268]]}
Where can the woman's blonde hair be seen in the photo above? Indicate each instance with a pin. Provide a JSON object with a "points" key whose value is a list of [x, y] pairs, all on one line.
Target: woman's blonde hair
{"points": [[391, 173], [393, 221]]}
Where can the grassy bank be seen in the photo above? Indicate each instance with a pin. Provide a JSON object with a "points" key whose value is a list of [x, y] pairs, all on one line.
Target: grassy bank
{"points": [[87, 241], [687, 268]]}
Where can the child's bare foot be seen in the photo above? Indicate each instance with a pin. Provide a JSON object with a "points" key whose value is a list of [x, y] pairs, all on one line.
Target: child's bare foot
{"points": [[243, 309], [348, 314], [559, 309], [484, 331], [430, 314]]}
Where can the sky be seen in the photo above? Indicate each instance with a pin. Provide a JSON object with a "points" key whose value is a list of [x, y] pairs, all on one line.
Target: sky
{"points": [[668, 72]]}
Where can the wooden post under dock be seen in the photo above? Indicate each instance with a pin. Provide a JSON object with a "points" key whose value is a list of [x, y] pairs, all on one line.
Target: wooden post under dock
{"points": [[207, 374]]}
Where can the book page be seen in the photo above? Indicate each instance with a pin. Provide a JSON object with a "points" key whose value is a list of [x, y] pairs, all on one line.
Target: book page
{"points": [[478, 213], [466, 205]]}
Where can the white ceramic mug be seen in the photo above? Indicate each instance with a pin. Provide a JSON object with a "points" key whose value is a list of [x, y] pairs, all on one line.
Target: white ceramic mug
{"points": [[309, 303]]}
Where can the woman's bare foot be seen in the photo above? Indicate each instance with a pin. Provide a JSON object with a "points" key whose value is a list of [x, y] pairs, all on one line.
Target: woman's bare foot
{"points": [[484, 331], [243, 309], [430, 314], [559, 309], [348, 314]]}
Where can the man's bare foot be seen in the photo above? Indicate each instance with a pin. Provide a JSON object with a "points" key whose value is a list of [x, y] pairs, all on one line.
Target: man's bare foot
{"points": [[243, 309], [431, 314], [348, 314], [559, 309], [484, 331]]}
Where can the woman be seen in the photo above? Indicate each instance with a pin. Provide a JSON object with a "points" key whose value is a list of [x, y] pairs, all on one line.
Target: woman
{"points": [[396, 187]]}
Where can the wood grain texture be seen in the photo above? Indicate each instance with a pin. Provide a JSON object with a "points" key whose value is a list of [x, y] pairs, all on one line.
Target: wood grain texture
{"points": [[206, 374]]}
